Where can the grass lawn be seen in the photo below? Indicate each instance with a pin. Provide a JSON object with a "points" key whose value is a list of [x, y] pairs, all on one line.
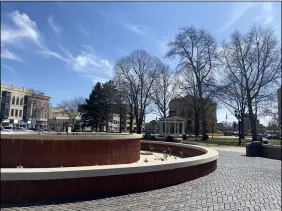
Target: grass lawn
{"points": [[230, 142]]}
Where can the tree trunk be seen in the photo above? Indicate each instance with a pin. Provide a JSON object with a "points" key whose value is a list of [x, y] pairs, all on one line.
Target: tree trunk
{"points": [[139, 127], [252, 119], [203, 121], [197, 126], [120, 119], [107, 126], [131, 116], [202, 110], [130, 122], [242, 129]]}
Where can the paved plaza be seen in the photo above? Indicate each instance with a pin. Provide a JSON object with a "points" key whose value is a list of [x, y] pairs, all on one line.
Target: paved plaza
{"points": [[239, 183]]}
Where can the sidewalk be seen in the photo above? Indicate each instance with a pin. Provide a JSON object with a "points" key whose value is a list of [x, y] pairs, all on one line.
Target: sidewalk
{"points": [[218, 147]]}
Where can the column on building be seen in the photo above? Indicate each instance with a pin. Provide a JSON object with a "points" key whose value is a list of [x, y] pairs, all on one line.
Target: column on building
{"points": [[169, 128], [183, 128], [178, 125]]}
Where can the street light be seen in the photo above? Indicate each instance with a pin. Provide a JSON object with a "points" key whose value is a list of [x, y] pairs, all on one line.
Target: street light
{"points": [[239, 117], [212, 124]]}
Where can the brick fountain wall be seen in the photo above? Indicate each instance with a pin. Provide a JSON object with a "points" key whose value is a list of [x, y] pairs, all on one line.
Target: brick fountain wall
{"points": [[97, 186], [56, 153]]}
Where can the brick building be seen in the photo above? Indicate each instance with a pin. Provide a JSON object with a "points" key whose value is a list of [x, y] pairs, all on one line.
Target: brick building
{"points": [[180, 107], [23, 107]]}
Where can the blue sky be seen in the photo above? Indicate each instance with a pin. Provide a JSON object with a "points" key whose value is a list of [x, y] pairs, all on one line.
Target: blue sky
{"points": [[63, 48]]}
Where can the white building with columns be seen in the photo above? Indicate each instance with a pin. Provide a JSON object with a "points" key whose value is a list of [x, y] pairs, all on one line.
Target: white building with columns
{"points": [[171, 126]]}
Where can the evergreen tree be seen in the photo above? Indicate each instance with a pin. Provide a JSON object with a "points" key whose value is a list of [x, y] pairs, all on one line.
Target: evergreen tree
{"points": [[98, 110], [93, 109], [109, 97]]}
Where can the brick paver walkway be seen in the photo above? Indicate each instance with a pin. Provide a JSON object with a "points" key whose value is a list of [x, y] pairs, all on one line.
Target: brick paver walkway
{"points": [[239, 183]]}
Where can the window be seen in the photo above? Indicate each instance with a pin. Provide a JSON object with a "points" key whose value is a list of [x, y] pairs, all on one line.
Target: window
{"points": [[189, 113], [8, 99], [16, 112], [20, 113], [13, 100], [21, 103], [18, 101], [6, 112], [12, 112]]}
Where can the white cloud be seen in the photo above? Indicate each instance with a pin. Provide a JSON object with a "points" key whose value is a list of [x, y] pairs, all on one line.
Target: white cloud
{"points": [[7, 67], [121, 51], [56, 29], [6, 54], [86, 62], [21, 30], [84, 32], [237, 13], [267, 7], [24, 29], [88, 48], [268, 19], [48, 53], [266, 14], [138, 29], [66, 52]]}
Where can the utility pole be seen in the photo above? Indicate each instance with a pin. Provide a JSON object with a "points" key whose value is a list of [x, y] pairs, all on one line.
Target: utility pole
{"points": [[226, 125]]}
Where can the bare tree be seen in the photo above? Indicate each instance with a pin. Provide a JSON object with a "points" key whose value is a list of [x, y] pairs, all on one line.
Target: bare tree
{"points": [[164, 89], [188, 92], [196, 50], [233, 96], [272, 111], [253, 60], [70, 108], [126, 95], [139, 71]]}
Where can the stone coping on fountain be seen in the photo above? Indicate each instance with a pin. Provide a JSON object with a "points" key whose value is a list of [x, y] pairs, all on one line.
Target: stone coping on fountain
{"points": [[12, 174]]}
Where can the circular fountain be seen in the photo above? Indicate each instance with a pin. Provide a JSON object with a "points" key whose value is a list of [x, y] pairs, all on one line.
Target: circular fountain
{"points": [[49, 166]]}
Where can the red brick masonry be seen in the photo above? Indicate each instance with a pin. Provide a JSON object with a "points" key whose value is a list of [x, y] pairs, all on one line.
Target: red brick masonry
{"points": [[67, 153]]}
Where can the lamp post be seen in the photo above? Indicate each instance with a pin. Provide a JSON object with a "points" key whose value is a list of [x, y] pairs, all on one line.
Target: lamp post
{"points": [[212, 124], [239, 117]]}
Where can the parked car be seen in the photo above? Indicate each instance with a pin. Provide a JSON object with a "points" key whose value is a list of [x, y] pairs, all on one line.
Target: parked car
{"points": [[10, 128], [5, 130], [21, 129], [235, 133], [273, 136]]}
